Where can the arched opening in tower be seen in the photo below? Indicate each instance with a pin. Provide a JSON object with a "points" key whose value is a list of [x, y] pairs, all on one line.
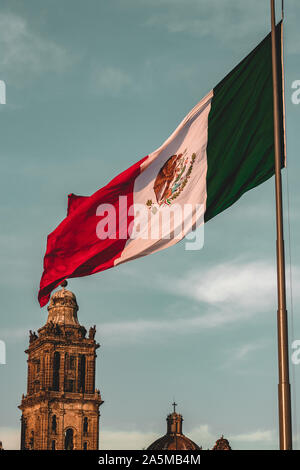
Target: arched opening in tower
{"points": [[69, 441]]}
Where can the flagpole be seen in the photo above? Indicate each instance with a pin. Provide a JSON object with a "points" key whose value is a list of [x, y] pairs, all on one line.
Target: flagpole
{"points": [[284, 393]]}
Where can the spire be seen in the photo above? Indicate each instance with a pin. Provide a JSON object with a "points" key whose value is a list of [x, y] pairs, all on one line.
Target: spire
{"points": [[174, 421], [63, 307]]}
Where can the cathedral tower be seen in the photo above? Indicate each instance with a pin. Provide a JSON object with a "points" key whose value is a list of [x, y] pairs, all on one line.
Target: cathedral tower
{"points": [[61, 408]]}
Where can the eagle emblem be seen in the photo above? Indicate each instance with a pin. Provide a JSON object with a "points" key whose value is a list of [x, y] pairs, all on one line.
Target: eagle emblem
{"points": [[171, 179]]}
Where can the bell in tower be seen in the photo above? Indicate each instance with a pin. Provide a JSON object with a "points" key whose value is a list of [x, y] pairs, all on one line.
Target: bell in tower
{"points": [[61, 408]]}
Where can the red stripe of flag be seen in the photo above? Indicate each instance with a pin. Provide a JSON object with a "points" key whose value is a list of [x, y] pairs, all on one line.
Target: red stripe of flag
{"points": [[73, 248]]}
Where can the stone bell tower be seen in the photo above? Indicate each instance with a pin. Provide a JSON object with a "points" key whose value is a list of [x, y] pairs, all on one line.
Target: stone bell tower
{"points": [[61, 408]]}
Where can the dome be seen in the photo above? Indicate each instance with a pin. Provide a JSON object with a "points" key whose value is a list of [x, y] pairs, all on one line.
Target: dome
{"points": [[174, 439], [175, 442], [222, 444], [63, 307], [63, 297]]}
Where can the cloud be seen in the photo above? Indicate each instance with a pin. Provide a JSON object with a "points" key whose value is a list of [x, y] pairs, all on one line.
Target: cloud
{"points": [[126, 440], [230, 21], [223, 295], [141, 331], [258, 439], [254, 436], [226, 294], [116, 440], [243, 351], [10, 438], [25, 53], [14, 334], [242, 285], [250, 287], [203, 435], [237, 358], [108, 80]]}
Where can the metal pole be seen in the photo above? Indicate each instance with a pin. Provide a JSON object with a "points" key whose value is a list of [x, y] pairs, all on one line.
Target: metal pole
{"points": [[284, 393]]}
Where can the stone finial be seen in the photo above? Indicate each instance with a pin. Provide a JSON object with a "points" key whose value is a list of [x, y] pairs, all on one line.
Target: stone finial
{"points": [[92, 332], [32, 336]]}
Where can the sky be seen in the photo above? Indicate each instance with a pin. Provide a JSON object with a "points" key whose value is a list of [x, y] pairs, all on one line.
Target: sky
{"points": [[91, 87]]}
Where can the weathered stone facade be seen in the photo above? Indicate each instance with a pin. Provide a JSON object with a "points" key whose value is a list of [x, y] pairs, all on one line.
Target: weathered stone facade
{"points": [[61, 407]]}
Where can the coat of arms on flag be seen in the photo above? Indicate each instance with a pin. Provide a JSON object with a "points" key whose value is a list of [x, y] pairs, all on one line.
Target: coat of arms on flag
{"points": [[171, 179]]}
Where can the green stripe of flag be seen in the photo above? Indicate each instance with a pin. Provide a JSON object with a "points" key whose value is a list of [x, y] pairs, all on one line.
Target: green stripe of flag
{"points": [[240, 148]]}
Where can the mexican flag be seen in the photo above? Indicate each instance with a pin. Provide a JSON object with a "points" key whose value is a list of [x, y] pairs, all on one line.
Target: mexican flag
{"points": [[222, 148]]}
